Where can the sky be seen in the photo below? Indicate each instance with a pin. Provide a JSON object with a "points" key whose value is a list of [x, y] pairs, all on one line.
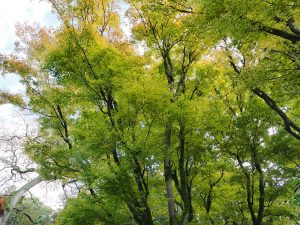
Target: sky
{"points": [[11, 13], [30, 11]]}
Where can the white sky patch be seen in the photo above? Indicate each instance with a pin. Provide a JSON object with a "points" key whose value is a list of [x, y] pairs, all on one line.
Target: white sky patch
{"points": [[51, 193], [11, 83], [18, 11], [272, 131], [9, 117], [126, 27], [8, 113], [125, 23]]}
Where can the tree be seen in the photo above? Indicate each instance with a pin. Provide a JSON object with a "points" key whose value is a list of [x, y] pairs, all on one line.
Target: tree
{"points": [[269, 45], [15, 166], [30, 211], [184, 134]]}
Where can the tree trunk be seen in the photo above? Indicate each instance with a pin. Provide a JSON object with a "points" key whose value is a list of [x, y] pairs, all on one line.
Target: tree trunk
{"points": [[187, 214], [145, 216], [141, 213], [261, 187], [168, 176], [18, 195]]}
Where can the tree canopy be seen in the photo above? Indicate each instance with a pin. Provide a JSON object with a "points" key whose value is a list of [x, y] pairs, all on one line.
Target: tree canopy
{"points": [[203, 128]]}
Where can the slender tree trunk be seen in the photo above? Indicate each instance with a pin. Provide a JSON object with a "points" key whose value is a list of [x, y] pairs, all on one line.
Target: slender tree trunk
{"points": [[249, 199], [169, 72], [261, 206], [261, 187], [187, 214], [145, 214], [249, 191], [256, 219], [141, 217], [168, 175], [18, 195], [138, 206]]}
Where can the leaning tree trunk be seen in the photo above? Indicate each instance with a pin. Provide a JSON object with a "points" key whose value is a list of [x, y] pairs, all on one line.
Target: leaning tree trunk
{"points": [[15, 199]]}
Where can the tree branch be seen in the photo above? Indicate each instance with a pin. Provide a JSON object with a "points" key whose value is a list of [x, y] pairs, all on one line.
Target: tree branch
{"points": [[290, 126]]}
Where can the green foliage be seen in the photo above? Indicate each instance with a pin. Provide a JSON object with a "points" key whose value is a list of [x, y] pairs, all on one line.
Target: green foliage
{"points": [[211, 106], [87, 210], [30, 211]]}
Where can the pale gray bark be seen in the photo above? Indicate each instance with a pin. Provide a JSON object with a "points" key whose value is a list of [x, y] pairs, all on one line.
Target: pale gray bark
{"points": [[16, 198]]}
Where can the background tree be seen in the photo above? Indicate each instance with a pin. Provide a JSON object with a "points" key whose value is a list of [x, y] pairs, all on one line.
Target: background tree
{"points": [[30, 211]]}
